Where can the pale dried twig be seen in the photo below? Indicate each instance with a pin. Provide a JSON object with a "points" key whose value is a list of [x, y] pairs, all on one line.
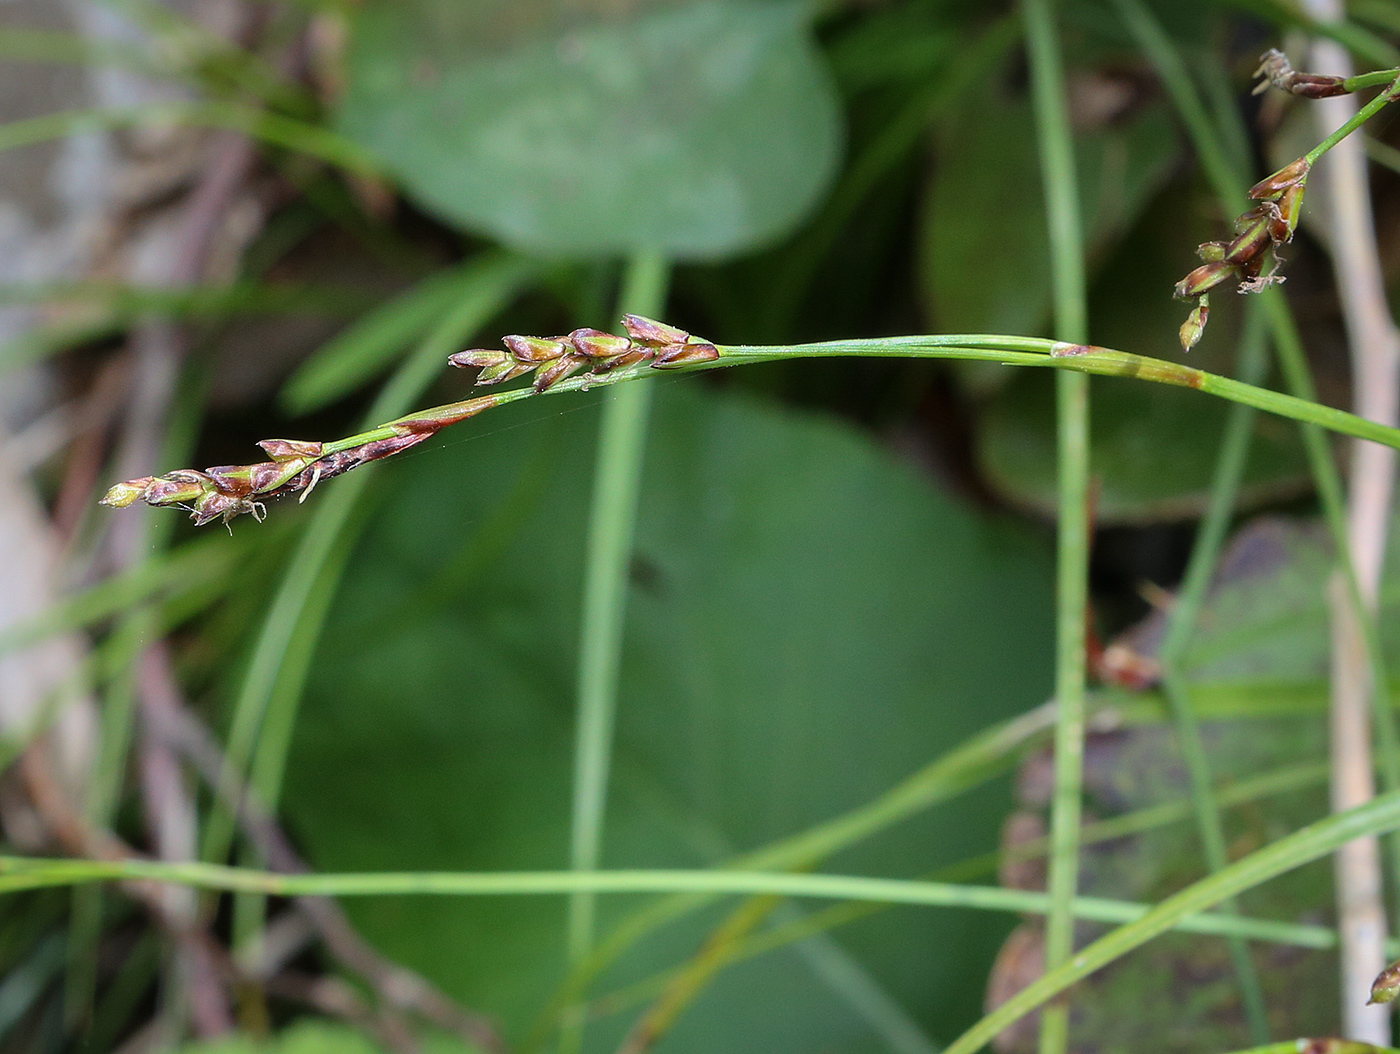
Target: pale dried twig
{"points": [[1375, 354], [173, 725]]}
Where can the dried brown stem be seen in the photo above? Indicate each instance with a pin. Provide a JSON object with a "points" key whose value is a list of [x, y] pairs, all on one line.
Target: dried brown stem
{"points": [[175, 726], [209, 968]]}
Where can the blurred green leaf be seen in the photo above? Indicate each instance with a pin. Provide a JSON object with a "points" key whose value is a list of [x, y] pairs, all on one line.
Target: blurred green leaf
{"points": [[1269, 615], [695, 129], [986, 262], [314, 1036], [370, 346], [1152, 451], [809, 622], [900, 44], [1262, 645]]}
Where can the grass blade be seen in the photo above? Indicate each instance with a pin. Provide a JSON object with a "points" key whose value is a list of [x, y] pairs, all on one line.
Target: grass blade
{"points": [[617, 483], [363, 350], [1061, 185], [1379, 815], [273, 129]]}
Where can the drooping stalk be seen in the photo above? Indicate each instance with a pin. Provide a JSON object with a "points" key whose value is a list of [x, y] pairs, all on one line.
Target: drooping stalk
{"points": [[1229, 186], [1210, 537]]}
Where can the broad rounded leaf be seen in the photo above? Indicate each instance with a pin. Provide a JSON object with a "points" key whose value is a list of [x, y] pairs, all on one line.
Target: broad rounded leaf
{"points": [[808, 623], [697, 129]]}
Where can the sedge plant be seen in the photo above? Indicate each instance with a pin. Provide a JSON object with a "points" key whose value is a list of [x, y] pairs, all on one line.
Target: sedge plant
{"points": [[587, 358]]}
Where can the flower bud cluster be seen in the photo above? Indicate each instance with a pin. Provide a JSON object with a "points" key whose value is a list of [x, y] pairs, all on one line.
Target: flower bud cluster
{"points": [[1258, 232], [552, 359]]}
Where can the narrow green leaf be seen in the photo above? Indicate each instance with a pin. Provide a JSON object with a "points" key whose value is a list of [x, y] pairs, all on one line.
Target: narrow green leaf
{"points": [[1380, 815], [368, 347]]}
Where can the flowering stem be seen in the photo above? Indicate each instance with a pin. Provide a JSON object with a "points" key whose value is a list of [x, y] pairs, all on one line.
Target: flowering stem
{"points": [[27, 873], [1373, 79], [1066, 235], [230, 490], [1380, 102]]}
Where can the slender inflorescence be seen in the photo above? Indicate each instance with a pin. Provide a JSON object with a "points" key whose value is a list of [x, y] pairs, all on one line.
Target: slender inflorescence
{"points": [[226, 491], [1261, 230]]}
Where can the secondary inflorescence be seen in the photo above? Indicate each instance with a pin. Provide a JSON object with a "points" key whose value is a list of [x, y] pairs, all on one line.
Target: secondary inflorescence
{"points": [[1261, 230], [1258, 232], [226, 491]]}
